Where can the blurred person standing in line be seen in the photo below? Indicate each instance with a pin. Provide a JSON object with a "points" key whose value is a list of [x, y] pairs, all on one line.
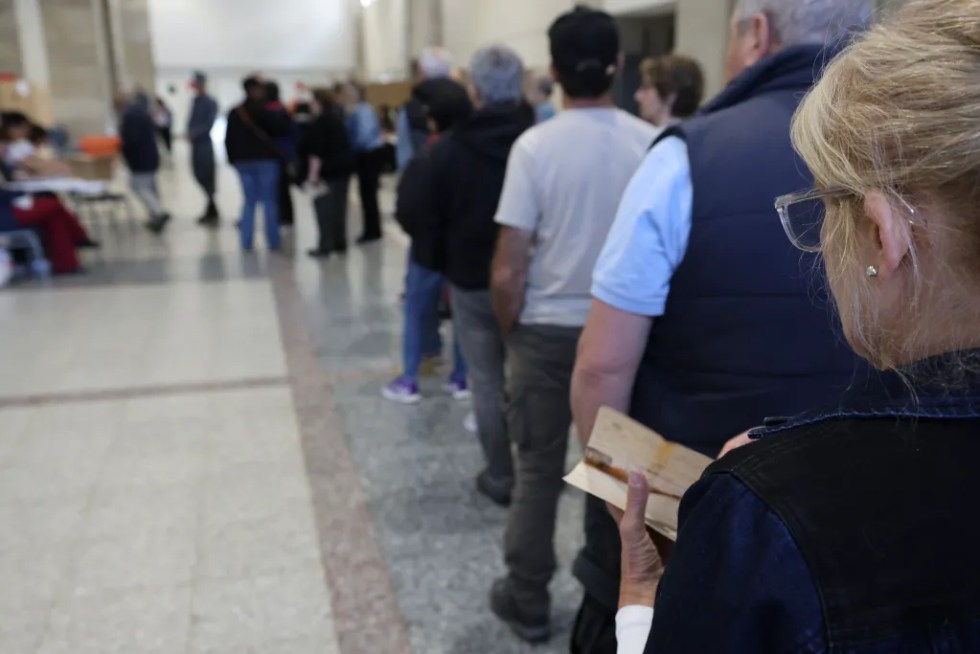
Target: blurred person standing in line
{"points": [[204, 111], [458, 235], [539, 91], [670, 90], [287, 144], [705, 320], [445, 103], [137, 130], [554, 213], [366, 141], [331, 163], [411, 124], [252, 150]]}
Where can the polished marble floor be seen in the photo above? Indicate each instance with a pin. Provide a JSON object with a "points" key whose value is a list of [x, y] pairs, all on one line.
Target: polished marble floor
{"points": [[195, 457]]}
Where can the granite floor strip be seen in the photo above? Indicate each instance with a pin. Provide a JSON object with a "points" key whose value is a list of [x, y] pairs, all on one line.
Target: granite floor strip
{"points": [[152, 390], [367, 618]]}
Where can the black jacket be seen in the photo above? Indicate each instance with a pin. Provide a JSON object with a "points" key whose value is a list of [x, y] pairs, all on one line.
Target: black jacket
{"points": [[138, 133], [327, 139], [454, 230], [244, 143]]}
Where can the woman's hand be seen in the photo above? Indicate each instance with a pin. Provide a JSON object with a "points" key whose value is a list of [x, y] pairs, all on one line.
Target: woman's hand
{"points": [[642, 566]]}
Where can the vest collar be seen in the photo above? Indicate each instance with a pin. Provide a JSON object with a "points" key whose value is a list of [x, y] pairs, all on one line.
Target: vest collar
{"points": [[946, 386], [793, 68]]}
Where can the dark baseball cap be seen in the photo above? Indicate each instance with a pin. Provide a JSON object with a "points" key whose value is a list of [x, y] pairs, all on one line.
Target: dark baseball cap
{"points": [[585, 43]]}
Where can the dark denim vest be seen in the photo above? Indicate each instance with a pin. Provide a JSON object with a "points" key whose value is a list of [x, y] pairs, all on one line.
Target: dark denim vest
{"points": [[748, 331], [871, 508]]}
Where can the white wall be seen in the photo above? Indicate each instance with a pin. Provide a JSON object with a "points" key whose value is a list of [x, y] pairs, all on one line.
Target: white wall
{"points": [[618, 7], [313, 41], [385, 40], [522, 24]]}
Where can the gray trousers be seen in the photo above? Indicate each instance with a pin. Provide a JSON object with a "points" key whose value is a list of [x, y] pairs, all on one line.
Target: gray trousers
{"points": [[540, 361], [483, 349], [144, 185]]}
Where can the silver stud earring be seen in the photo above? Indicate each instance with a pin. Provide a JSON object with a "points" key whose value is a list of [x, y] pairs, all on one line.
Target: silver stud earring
{"points": [[872, 271]]}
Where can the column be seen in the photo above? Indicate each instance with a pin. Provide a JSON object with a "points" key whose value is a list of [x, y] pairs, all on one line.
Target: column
{"points": [[81, 86], [10, 55], [702, 33]]}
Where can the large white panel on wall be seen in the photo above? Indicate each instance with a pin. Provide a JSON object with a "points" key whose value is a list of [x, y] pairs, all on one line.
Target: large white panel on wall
{"points": [[471, 24], [260, 34]]}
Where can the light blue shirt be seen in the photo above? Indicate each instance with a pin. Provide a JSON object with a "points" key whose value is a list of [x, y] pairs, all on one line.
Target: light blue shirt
{"points": [[364, 128], [649, 236], [404, 149]]}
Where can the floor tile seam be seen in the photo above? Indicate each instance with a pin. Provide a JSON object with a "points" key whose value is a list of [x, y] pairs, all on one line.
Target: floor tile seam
{"points": [[313, 401], [140, 392]]}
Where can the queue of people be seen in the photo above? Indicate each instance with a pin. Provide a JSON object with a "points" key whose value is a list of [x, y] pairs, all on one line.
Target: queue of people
{"points": [[595, 260]]}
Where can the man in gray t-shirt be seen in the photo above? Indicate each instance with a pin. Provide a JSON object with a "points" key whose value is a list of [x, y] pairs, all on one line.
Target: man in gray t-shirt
{"points": [[561, 192]]}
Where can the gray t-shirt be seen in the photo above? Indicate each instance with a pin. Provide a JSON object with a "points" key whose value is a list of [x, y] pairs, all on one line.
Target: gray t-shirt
{"points": [[564, 181]]}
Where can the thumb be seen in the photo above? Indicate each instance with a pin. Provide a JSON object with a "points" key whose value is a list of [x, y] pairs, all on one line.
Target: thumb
{"points": [[637, 494]]}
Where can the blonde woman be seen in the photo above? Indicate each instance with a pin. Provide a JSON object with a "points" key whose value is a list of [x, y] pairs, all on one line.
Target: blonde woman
{"points": [[853, 530]]}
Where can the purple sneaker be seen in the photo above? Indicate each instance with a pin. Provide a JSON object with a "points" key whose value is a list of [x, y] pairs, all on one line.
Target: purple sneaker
{"points": [[458, 389], [402, 390]]}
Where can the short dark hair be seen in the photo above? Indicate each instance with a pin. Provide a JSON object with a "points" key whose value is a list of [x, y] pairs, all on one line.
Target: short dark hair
{"points": [[272, 91], [252, 82], [584, 46], [14, 119], [675, 75]]}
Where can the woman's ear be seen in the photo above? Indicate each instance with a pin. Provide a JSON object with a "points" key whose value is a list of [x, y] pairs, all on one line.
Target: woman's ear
{"points": [[890, 237]]}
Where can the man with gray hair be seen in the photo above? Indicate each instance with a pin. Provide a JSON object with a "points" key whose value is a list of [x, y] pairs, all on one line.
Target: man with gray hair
{"points": [[457, 235], [705, 321], [410, 124]]}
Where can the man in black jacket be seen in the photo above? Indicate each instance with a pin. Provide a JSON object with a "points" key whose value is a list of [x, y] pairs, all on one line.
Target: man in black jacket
{"points": [[252, 149], [457, 238], [138, 133], [331, 163]]}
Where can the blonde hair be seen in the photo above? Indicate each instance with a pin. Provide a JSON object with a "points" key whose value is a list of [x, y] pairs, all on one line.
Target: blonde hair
{"points": [[899, 111]]}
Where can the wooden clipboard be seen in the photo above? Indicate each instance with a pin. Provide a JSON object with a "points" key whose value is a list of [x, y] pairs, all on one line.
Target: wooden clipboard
{"points": [[619, 444]]}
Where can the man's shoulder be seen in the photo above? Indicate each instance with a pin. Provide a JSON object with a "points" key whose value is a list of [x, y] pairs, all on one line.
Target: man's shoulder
{"points": [[637, 125]]}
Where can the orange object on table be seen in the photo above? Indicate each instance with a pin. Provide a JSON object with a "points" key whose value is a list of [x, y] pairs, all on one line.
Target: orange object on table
{"points": [[100, 146]]}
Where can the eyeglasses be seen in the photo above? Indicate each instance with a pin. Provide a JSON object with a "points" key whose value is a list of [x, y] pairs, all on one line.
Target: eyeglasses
{"points": [[802, 214]]}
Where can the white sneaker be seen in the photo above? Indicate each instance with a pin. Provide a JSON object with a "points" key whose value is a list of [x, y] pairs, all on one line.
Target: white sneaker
{"points": [[469, 422]]}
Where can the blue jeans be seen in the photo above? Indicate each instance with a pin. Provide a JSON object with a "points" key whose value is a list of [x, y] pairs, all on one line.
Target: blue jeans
{"points": [[423, 288], [260, 183]]}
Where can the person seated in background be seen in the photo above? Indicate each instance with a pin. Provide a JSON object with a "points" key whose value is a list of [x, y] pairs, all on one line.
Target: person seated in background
{"points": [[137, 131], [446, 103], [252, 150], [457, 237], [670, 90], [852, 529], [539, 90], [23, 159], [60, 231], [330, 165]]}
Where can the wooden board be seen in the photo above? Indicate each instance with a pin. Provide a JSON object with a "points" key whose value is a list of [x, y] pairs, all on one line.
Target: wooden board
{"points": [[619, 444]]}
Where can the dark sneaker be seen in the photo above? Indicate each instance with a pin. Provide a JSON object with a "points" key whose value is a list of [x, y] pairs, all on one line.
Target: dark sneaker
{"points": [[497, 491], [402, 390], [317, 253], [533, 629]]}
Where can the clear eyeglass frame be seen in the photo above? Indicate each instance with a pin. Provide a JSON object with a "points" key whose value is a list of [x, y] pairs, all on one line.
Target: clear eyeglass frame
{"points": [[802, 213]]}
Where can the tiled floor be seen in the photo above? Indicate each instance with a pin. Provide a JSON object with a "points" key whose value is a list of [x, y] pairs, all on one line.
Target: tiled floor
{"points": [[194, 457]]}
